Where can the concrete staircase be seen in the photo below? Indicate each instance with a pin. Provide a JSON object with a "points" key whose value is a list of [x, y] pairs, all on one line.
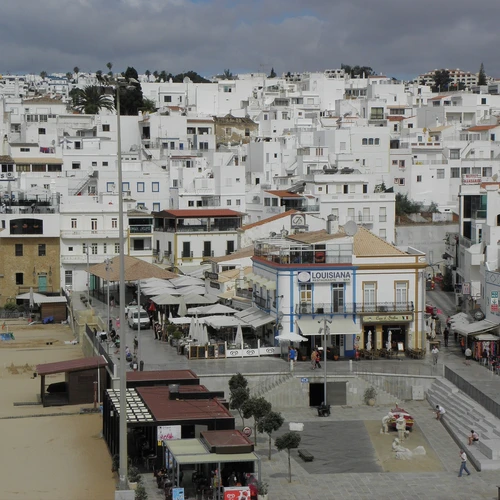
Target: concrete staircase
{"points": [[462, 415], [287, 392], [272, 381]]}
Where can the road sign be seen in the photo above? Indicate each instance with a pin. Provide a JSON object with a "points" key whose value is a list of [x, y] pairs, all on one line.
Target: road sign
{"points": [[304, 380], [178, 494]]}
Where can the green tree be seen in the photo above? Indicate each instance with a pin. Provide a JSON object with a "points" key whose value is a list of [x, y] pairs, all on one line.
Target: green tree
{"points": [[354, 71], [442, 80], [148, 106], [257, 408], [272, 74], [164, 76], [237, 400], [269, 424], [99, 77], [91, 99], [109, 66], [156, 75], [236, 381], [192, 75], [43, 74], [131, 98], [76, 71], [405, 206], [287, 442], [481, 78], [147, 73], [227, 75], [69, 76]]}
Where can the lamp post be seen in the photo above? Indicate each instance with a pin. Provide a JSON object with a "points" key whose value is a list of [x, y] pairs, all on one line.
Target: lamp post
{"points": [[324, 329], [108, 268]]}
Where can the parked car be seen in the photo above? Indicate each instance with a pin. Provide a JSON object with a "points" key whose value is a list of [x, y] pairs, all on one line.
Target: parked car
{"points": [[133, 319]]}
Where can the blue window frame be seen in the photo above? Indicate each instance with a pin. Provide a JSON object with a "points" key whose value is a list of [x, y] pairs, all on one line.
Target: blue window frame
{"points": [[155, 187], [140, 187]]}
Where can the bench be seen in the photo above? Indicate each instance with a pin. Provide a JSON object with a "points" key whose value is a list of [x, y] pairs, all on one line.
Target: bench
{"points": [[305, 455]]}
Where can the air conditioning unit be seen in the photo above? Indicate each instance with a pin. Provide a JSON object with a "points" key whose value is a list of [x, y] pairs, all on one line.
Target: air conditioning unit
{"points": [[303, 308]]}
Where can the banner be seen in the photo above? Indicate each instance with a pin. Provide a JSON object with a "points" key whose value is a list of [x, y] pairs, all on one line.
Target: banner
{"points": [[494, 302], [237, 493], [169, 432]]}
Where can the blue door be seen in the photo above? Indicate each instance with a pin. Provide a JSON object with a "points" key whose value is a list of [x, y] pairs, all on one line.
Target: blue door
{"points": [[42, 283]]}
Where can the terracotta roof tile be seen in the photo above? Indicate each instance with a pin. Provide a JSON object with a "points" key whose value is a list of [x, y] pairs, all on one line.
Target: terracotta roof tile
{"points": [[135, 269], [481, 128], [70, 365], [269, 219], [367, 244], [239, 254], [283, 193]]}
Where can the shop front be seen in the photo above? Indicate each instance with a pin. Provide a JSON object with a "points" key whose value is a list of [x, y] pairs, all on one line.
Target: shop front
{"points": [[387, 331]]}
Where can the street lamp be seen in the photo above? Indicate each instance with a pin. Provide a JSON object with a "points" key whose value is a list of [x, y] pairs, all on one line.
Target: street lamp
{"points": [[108, 268], [118, 84], [325, 330]]}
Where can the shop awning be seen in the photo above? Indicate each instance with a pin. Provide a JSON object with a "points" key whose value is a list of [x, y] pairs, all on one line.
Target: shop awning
{"points": [[476, 327], [254, 317], [486, 337], [270, 285], [339, 326]]}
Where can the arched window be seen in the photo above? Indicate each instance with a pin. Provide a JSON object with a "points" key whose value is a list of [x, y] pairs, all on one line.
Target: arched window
{"points": [[26, 226]]}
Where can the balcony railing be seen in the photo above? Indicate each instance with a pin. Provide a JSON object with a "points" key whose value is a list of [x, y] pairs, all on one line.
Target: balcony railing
{"points": [[241, 292], [262, 302], [354, 308], [142, 229], [201, 228], [362, 219], [479, 214], [97, 233], [309, 208]]}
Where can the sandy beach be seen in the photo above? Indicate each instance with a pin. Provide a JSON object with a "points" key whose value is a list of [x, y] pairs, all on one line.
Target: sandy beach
{"points": [[47, 457]]}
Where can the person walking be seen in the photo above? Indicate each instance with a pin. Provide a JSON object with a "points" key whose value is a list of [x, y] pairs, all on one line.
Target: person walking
{"points": [[435, 355], [291, 356], [314, 359], [446, 335], [484, 357], [463, 464], [468, 356]]}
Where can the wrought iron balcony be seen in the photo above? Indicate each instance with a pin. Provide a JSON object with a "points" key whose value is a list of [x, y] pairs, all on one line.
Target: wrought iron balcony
{"points": [[262, 302], [353, 308]]}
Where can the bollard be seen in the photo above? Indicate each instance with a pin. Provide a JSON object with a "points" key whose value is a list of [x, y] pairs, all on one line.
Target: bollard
{"points": [[350, 365], [141, 366]]}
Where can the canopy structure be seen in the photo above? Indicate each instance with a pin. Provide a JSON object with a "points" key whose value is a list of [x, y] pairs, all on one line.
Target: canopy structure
{"points": [[187, 281], [341, 326], [187, 290], [254, 317], [460, 318], [183, 320], [135, 269], [477, 327], [170, 300], [486, 337], [38, 298], [290, 337], [212, 310], [221, 321]]}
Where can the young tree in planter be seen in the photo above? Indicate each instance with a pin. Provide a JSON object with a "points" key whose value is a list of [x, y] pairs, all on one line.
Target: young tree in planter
{"points": [[257, 408], [236, 381], [239, 396], [269, 424], [287, 442]]}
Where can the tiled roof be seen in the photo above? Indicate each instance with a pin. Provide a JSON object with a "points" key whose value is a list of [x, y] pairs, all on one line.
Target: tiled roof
{"points": [[395, 118], [239, 254], [367, 244], [316, 236], [282, 193], [480, 128], [269, 219], [43, 100], [135, 269], [438, 98], [197, 213], [71, 365], [39, 161], [6, 159], [163, 375]]}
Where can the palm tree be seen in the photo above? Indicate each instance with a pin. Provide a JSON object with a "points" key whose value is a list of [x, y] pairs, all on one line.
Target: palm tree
{"points": [[69, 76], [109, 66], [148, 73], [91, 100], [43, 74], [76, 70], [148, 106], [155, 74]]}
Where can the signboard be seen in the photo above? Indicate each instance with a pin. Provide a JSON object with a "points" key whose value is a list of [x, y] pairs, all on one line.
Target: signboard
{"points": [[324, 276], [211, 276], [177, 493], [494, 302], [471, 179], [168, 432], [465, 288], [388, 318], [237, 493], [298, 221], [304, 380]]}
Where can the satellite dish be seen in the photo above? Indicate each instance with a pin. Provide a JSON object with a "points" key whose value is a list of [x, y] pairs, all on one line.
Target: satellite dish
{"points": [[350, 228]]}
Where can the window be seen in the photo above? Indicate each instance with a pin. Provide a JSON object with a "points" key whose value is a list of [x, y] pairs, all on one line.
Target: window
{"points": [[94, 248], [167, 98], [43, 118], [110, 187], [364, 142], [267, 202], [41, 250], [84, 248], [394, 162], [377, 113], [156, 207], [247, 132], [228, 203], [274, 202], [125, 186], [114, 223], [229, 247], [382, 215], [343, 146], [70, 249], [401, 292], [117, 247], [41, 131], [454, 154], [19, 279], [93, 224], [369, 296], [238, 202], [305, 292], [140, 187], [377, 141], [25, 150], [401, 163], [104, 163], [382, 234], [191, 203], [440, 173], [155, 187], [175, 183], [68, 278], [106, 127], [337, 297], [19, 250], [487, 172], [365, 188], [483, 100], [94, 164], [75, 165], [228, 130], [419, 178], [74, 223], [104, 248], [455, 172]]}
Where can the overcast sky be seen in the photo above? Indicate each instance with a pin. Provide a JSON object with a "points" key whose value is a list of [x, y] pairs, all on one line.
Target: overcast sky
{"points": [[399, 38]]}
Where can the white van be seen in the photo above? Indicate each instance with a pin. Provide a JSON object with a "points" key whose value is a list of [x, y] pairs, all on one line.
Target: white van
{"points": [[133, 318]]}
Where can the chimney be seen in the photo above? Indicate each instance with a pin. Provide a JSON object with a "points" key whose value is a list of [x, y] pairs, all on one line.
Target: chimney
{"points": [[332, 224]]}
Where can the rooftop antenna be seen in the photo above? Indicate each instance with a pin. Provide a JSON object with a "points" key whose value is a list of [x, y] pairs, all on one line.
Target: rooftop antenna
{"points": [[350, 228]]}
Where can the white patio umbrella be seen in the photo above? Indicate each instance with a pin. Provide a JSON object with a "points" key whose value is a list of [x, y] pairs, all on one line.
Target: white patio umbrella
{"points": [[389, 340], [182, 311], [204, 333], [369, 343], [192, 328], [238, 339]]}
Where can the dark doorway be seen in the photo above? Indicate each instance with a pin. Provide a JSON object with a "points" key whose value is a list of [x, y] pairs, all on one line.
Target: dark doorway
{"points": [[336, 393]]}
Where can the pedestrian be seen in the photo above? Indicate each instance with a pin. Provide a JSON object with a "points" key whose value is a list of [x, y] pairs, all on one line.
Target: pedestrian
{"points": [[314, 359], [33, 206], [484, 357], [435, 355], [318, 358], [463, 464], [440, 411], [448, 323], [291, 356], [474, 437], [155, 330], [446, 334], [468, 356]]}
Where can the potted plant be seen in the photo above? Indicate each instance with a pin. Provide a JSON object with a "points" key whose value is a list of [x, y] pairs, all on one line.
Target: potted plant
{"points": [[115, 463], [141, 493], [369, 396], [134, 477], [262, 490], [335, 352]]}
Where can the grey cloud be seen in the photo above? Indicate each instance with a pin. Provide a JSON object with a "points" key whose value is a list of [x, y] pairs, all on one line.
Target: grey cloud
{"points": [[396, 38]]}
